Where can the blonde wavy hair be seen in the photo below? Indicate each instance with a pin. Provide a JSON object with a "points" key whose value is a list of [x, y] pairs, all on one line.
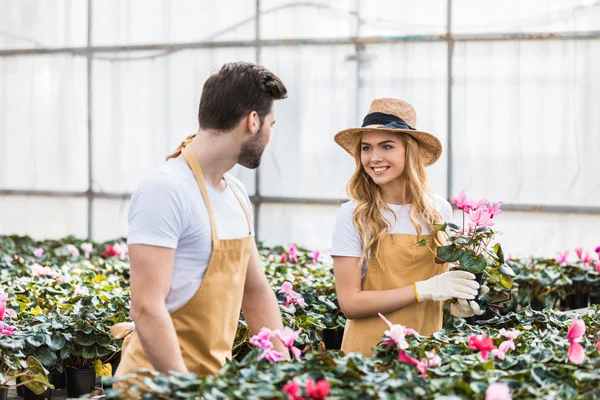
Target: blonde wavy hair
{"points": [[367, 217]]}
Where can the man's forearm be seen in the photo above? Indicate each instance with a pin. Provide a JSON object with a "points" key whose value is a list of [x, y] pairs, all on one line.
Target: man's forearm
{"points": [[262, 310], [159, 340]]}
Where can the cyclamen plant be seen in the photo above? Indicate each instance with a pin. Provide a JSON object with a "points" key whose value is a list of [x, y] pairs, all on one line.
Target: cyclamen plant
{"points": [[469, 247]]}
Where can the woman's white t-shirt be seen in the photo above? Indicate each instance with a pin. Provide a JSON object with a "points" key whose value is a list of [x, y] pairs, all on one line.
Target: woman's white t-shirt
{"points": [[346, 239]]}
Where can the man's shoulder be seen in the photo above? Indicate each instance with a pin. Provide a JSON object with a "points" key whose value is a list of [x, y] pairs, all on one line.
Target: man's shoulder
{"points": [[167, 179]]}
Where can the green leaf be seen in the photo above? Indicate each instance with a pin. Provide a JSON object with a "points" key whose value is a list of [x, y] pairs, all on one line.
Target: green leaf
{"points": [[55, 342], [85, 340], [453, 226], [89, 352], [499, 252], [505, 269], [39, 339], [473, 263], [46, 356], [449, 253], [506, 282], [463, 240], [422, 243]]}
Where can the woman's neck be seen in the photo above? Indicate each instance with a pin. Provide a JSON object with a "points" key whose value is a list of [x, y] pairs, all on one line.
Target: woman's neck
{"points": [[395, 192]]}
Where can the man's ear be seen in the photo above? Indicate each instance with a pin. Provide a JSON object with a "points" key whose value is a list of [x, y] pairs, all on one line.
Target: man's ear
{"points": [[253, 122]]}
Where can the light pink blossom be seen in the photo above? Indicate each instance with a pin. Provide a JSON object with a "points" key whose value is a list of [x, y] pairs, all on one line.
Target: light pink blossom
{"points": [[6, 330], [497, 391], [495, 209], [293, 254], [562, 258], [482, 343], [315, 256], [579, 252], [480, 217], [576, 352], [87, 249], [81, 291], [396, 334], [38, 252], [512, 334], [3, 309], [73, 251], [291, 297]]}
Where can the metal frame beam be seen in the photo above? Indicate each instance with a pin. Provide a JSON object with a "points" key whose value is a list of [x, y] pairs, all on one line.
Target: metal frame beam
{"points": [[173, 47], [258, 199]]}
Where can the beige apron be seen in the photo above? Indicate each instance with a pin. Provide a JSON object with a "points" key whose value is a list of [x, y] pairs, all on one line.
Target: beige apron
{"points": [[404, 263], [206, 325]]}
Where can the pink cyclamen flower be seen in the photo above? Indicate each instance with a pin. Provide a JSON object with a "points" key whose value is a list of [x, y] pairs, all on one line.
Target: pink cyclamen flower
{"points": [[586, 259], [73, 251], [6, 330], [288, 337], [315, 256], [3, 310], [420, 365], [597, 250], [482, 343], [562, 258], [38, 270], [598, 344], [283, 258], [512, 334], [122, 250], [480, 217], [497, 391], [503, 349], [579, 252], [292, 389], [434, 359], [317, 391], [495, 209], [461, 201], [270, 355], [38, 252], [293, 254], [597, 264], [475, 205], [81, 291], [397, 334], [262, 339], [291, 297], [576, 352], [87, 249]]}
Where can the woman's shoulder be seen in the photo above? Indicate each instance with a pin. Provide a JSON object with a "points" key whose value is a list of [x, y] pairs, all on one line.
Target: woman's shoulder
{"points": [[442, 206]]}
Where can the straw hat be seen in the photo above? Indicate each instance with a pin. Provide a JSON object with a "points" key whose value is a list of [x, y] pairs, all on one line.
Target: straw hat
{"points": [[391, 115]]}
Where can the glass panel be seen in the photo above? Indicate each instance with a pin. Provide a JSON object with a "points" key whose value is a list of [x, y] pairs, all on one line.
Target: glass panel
{"points": [[302, 160], [43, 123], [42, 23], [143, 109], [416, 73], [544, 234], [314, 19], [524, 16], [109, 219], [525, 121], [118, 22], [305, 225], [43, 217], [385, 17]]}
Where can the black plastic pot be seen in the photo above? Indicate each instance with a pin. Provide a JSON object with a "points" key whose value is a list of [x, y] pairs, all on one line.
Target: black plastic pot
{"points": [[80, 381], [594, 298], [332, 338], [28, 394], [576, 301], [4, 394], [59, 379]]}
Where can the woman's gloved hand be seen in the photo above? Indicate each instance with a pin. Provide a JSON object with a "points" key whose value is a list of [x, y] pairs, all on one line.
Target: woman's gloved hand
{"points": [[446, 286]]}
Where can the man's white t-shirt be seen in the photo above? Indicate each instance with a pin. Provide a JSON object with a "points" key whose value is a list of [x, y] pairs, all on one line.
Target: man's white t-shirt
{"points": [[168, 210], [346, 239]]}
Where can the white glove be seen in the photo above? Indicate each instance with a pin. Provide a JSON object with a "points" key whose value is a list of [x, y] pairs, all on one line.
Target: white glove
{"points": [[465, 309], [446, 286]]}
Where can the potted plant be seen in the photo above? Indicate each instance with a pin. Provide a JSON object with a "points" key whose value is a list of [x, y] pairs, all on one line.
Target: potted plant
{"points": [[469, 248]]}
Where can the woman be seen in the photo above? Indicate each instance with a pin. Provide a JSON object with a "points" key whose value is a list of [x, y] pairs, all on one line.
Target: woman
{"points": [[378, 266]]}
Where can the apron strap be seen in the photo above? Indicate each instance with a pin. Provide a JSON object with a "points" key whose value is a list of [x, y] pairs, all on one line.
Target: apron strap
{"points": [[242, 203], [192, 161]]}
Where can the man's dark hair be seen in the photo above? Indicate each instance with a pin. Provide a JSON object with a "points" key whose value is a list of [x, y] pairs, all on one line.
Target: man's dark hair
{"points": [[236, 90]]}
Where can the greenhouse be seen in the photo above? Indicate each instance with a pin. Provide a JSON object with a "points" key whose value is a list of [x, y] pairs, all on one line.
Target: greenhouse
{"points": [[321, 199]]}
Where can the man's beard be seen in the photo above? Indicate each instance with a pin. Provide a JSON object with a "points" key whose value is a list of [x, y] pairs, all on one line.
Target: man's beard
{"points": [[252, 150]]}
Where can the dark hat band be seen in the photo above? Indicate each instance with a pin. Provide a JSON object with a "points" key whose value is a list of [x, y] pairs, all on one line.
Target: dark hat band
{"points": [[388, 121]]}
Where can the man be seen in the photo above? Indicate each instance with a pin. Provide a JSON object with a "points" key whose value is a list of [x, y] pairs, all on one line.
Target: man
{"points": [[194, 260]]}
